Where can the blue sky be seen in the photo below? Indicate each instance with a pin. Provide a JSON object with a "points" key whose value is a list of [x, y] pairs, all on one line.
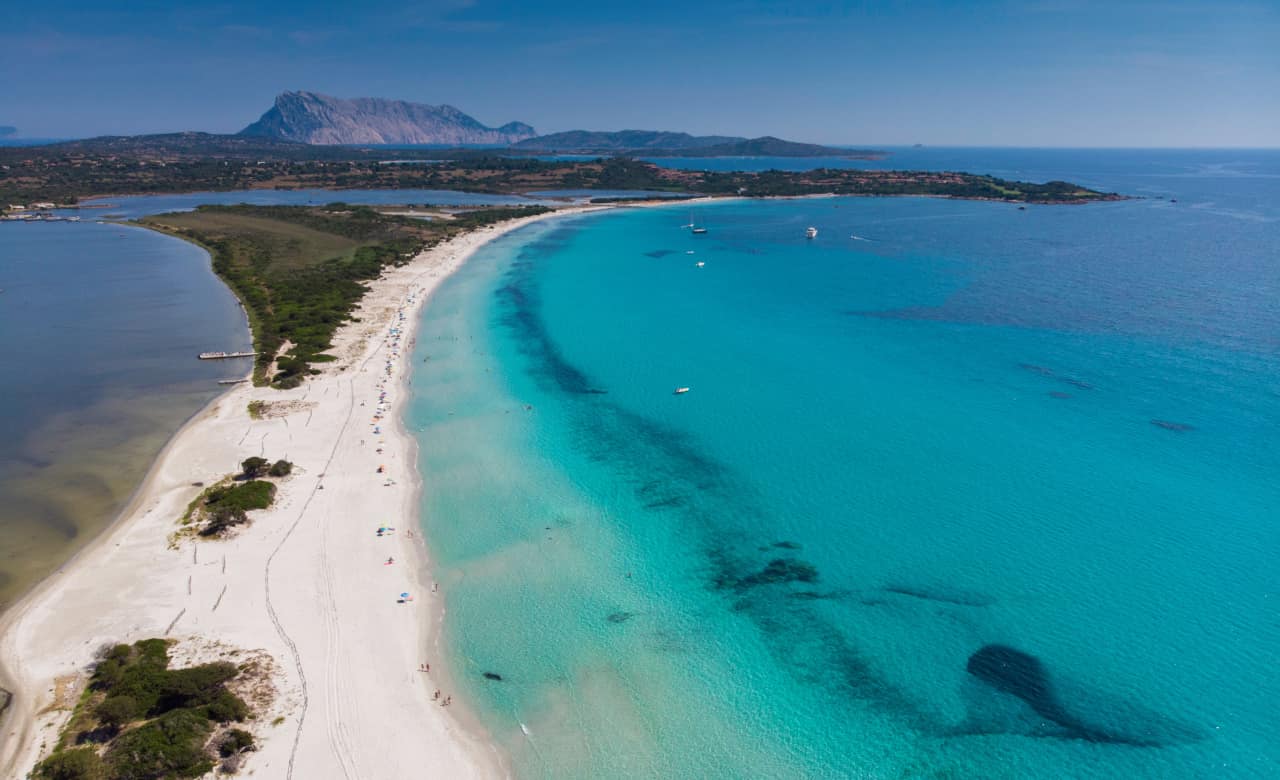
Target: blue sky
{"points": [[1033, 73]]}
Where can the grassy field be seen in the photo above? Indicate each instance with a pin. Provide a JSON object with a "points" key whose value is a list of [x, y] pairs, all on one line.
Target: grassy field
{"points": [[300, 270], [289, 245]]}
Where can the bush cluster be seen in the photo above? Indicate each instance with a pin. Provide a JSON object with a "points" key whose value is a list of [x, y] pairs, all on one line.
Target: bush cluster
{"points": [[155, 721], [229, 505]]}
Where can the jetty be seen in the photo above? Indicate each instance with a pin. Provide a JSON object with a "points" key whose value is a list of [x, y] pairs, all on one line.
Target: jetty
{"points": [[232, 381], [225, 355]]}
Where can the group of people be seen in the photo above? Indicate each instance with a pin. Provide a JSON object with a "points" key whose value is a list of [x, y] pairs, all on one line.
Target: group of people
{"points": [[381, 409]]}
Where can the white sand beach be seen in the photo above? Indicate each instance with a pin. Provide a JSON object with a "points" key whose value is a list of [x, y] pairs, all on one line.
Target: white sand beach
{"points": [[307, 583]]}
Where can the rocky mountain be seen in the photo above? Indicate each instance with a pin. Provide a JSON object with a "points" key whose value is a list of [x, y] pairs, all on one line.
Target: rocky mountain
{"points": [[311, 118]]}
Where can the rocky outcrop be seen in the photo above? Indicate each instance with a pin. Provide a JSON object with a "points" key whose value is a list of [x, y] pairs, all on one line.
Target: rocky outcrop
{"points": [[319, 119]]}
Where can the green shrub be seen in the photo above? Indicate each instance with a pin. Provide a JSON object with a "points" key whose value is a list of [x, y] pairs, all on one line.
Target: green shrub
{"points": [[80, 763], [169, 746], [254, 467], [246, 496], [115, 712], [281, 468], [236, 741], [226, 707], [194, 686], [223, 518]]}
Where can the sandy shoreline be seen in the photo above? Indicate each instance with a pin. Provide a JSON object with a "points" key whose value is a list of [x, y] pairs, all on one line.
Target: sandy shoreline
{"points": [[307, 583]]}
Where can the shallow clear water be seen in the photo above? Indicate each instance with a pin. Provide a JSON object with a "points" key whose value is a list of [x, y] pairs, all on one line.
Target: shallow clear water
{"points": [[1051, 430]]}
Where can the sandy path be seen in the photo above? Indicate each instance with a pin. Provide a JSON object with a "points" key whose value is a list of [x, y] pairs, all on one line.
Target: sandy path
{"points": [[307, 582]]}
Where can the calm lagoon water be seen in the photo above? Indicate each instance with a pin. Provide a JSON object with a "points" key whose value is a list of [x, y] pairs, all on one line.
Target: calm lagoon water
{"points": [[99, 330], [939, 427]]}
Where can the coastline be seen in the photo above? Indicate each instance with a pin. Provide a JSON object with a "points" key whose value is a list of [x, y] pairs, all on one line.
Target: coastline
{"points": [[337, 630]]}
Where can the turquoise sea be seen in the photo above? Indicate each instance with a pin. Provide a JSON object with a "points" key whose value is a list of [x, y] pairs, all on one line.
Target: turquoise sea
{"points": [[958, 490]]}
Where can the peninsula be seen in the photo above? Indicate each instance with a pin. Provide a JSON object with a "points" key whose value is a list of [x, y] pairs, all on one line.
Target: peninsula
{"points": [[251, 578], [195, 162]]}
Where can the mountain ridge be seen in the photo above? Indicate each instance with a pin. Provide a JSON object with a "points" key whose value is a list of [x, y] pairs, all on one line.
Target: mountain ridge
{"points": [[621, 140], [662, 143]]}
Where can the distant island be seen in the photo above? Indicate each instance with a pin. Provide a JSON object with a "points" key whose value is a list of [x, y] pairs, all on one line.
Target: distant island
{"points": [[593, 142], [7, 130], [655, 143], [313, 118], [193, 162]]}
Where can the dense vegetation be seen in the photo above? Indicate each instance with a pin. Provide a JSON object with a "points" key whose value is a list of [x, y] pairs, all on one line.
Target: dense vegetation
{"points": [[228, 503], [299, 271], [140, 719], [190, 162]]}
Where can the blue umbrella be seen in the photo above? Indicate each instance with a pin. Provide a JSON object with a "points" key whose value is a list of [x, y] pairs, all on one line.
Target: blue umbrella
{"points": [[404, 595]]}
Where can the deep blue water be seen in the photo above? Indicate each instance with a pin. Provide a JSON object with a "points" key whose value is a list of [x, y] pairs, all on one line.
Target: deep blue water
{"points": [[939, 427]]}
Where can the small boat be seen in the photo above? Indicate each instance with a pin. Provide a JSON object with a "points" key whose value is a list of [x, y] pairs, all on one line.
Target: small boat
{"points": [[681, 390], [698, 231], [811, 232], [700, 264]]}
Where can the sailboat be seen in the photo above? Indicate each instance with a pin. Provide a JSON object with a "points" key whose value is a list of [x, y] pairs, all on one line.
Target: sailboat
{"points": [[693, 226]]}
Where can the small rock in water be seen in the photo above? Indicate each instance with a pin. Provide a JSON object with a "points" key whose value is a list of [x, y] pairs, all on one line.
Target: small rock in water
{"points": [[1173, 426], [493, 676], [1041, 370], [780, 571], [620, 617]]}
